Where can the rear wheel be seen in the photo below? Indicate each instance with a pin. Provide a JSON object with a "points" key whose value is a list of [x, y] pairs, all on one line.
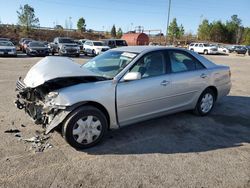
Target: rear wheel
{"points": [[85, 127], [205, 103], [205, 52]]}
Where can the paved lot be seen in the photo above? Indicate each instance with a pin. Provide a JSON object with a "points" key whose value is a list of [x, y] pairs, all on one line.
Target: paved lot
{"points": [[180, 150]]}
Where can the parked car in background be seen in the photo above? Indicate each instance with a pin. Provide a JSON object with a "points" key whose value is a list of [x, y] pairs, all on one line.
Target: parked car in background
{"points": [[204, 48], [4, 39], [94, 47], [36, 48], [25, 44], [223, 49], [7, 48], [117, 88], [64, 46], [21, 42], [83, 41], [79, 44], [154, 44], [238, 49], [248, 49], [114, 43]]}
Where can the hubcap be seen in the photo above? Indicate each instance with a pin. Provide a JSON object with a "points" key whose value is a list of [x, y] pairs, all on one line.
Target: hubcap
{"points": [[87, 129], [207, 103]]}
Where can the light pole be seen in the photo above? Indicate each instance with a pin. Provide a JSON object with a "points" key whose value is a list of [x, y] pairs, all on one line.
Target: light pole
{"points": [[169, 6]]}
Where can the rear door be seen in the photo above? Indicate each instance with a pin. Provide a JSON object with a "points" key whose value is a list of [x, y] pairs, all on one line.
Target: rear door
{"points": [[144, 98], [188, 78]]}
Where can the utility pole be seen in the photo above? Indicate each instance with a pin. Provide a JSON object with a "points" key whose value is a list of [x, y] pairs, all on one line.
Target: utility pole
{"points": [[169, 6]]}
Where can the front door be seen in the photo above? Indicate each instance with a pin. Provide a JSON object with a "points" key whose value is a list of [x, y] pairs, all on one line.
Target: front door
{"points": [[144, 98]]}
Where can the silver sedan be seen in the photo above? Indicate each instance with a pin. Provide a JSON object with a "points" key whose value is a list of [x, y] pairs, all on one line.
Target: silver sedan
{"points": [[120, 87]]}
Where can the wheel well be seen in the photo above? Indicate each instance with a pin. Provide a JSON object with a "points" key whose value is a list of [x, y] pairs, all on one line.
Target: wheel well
{"points": [[97, 105], [214, 89]]}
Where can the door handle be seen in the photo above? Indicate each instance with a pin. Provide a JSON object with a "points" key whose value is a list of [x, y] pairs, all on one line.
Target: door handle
{"points": [[203, 75], [164, 83]]}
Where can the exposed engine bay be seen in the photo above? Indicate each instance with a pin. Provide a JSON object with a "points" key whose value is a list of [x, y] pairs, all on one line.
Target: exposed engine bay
{"points": [[37, 101]]}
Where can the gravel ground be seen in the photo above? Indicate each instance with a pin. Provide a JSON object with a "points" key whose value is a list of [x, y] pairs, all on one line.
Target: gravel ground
{"points": [[180, 150]]}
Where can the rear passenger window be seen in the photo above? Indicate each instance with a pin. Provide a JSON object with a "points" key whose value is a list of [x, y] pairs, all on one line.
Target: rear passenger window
{"points": [[182, 62]]}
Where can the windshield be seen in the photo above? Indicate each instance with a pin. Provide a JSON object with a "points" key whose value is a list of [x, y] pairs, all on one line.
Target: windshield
{"points": [[98, 43], [36, 44], [66, 40], [110, 63], [121, 43], [6, 43]]}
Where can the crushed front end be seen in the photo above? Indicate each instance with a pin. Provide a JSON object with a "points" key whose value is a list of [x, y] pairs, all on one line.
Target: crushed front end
{"points": [[36, 102]]}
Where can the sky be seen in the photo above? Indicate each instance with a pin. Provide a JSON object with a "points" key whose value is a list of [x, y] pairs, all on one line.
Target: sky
{"points": [[151, 14]]}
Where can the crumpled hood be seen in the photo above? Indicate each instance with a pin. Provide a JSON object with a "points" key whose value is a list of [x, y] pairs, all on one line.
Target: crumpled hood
{"points": [[50, 68]]}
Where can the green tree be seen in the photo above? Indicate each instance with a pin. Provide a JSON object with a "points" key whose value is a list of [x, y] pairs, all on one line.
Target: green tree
{"points": [[173, 30], [234, 29], [26, 17], [181, 31], [204, 30], [113, 31], [218, 32], [119, 33], [81, 26], [246, 36]]}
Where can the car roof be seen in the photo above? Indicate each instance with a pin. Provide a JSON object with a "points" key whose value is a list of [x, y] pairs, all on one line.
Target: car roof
{"points": [[140, 49]]}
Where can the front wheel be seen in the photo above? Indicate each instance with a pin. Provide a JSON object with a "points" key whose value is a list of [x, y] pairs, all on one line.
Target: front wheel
{"points": [[205, 52], [85, 127], [205, 103]]}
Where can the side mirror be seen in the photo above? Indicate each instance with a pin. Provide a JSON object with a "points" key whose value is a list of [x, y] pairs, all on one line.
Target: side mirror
{"points": [[132, 76]]}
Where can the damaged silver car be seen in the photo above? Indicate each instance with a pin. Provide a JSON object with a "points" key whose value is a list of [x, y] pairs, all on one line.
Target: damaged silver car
{"points": [[120, 87]]}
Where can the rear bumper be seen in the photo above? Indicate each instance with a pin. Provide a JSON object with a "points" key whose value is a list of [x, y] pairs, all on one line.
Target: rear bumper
{"points": [[224, 90]]}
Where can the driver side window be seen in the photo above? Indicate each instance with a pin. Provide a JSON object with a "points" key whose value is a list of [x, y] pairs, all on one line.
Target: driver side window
{"points": [[151, 64]]}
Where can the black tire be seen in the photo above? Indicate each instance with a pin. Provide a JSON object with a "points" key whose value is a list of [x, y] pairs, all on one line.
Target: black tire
{"points": [[198, 109], [77, 55], [71, 122], [192, 49], [205, 52]]}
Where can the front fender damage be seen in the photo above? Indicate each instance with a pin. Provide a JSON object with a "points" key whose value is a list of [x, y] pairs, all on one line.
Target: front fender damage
{"points": [[59, 118]]}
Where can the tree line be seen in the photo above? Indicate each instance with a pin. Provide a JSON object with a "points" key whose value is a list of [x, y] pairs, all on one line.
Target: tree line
{"points": [[28, 20], [232, 31]]}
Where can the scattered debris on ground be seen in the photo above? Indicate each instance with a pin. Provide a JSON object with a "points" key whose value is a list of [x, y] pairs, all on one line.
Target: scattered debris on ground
{"points": [[39, 142], [12, 131], [17, 135]]}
